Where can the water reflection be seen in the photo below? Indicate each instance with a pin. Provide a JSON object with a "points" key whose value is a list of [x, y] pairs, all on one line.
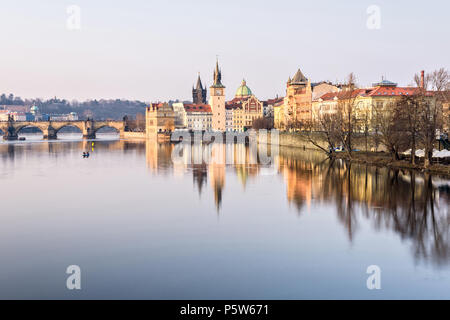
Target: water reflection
{"points": [[411, 204], [407, 202]]}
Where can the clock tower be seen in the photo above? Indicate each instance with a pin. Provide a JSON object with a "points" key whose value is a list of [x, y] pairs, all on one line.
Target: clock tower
{"points": [[217, 101]]}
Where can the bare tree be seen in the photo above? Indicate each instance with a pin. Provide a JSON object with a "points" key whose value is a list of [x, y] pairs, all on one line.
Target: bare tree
{"points": [[389, 128], [363, 122], [410, 115], [140, 121], [346, 118], [262, 123], [336, 127], [440, 80], [418, 80], [351, 81], [327, 126], [446, 112], [430, 105], [429, 123]]}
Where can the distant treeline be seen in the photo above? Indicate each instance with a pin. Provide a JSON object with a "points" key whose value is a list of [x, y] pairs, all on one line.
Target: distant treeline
{"points": [[96, 109]]}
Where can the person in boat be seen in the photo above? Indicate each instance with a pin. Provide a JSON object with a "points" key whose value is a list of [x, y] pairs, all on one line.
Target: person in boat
{"points": [[84, 154]]}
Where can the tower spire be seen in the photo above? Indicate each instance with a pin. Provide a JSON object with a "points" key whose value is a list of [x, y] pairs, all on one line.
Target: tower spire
{"points": [[217, 75], [199, 82], [199, 92]]}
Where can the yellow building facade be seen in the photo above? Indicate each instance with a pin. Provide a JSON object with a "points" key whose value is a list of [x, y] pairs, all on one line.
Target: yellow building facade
{"points": [[159, 118], [244, 108], [244, 115], [278, 116], [363, 103], [298, 100]]}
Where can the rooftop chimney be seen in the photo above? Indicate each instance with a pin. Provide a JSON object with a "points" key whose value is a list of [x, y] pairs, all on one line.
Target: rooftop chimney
{"points": [[422, 79]]}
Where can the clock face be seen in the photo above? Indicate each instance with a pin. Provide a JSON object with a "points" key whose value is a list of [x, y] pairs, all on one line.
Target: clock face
{"points": [[218, 92]]}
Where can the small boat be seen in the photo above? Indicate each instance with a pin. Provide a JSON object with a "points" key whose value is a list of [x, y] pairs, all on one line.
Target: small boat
{"points": [[22, 139]]}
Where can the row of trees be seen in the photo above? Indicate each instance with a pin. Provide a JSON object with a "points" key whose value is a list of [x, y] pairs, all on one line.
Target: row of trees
{"points": [[10, 100], [263, 123], [406, 122], [136, 124], [98, 109]]}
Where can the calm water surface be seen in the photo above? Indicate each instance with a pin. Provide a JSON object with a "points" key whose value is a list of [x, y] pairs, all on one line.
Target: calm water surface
{"points": [[140, 226]]}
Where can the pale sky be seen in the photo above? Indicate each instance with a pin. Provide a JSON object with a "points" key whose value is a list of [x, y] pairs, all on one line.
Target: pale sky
{"points": [[153, 50]]}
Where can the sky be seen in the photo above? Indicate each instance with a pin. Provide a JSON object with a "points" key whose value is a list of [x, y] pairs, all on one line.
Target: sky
{"points": [[153, 50]]}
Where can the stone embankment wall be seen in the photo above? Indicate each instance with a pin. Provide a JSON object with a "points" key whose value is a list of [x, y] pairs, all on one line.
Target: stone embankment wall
{"points": [[287, 139], [133, 135], [302, 140]]}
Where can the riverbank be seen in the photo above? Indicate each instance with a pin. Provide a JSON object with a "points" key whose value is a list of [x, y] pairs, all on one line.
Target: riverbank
{"points": [[378, 158], [133, 135], [382, 159]]}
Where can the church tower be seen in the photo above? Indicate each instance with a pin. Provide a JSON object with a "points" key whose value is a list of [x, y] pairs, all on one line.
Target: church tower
{"points": [[217, 100], [199, 93], [298, 98]]}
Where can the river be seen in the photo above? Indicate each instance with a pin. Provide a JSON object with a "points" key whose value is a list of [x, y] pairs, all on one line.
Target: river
{"points": [[142, 226]]}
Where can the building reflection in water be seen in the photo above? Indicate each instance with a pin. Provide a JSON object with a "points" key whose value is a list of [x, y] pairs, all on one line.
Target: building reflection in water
{"points": [[412, 204], [205, 160]]}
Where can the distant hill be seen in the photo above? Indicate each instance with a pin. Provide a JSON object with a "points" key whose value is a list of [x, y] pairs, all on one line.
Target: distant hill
{"points": [[97, 109]]}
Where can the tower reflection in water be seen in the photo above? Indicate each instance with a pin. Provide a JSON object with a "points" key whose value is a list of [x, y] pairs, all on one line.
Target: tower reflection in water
{"points": [[202, 161], [412, 204]]}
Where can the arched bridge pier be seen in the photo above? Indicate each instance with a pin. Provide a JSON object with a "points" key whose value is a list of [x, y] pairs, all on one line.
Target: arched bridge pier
{"points": [[50, 129]]}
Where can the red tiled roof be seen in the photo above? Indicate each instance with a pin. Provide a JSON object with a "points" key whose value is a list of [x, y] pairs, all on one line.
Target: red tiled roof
{"points": [[197, 108], [395, 91], [329, 96], [372, 92], [235, 103], [156, 105], [237, 100], [274, 100], [233, 106], [344, 94]]}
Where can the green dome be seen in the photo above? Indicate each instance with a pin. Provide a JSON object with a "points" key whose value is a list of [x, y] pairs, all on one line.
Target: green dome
{"points": [[243, 91]]}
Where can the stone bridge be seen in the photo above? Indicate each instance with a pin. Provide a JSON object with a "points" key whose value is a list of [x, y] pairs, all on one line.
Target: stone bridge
{"points": [[50, 129]]}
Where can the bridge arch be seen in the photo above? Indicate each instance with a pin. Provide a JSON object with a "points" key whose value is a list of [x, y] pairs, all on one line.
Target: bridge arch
{"points": [[50, 129], [98, 128], [66, 126], [106, 126], [59, 126], [26, 126]]}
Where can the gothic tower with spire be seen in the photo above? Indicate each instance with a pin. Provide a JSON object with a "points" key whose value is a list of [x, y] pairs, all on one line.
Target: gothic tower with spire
{"points": [[199, 93], [217, 100]]}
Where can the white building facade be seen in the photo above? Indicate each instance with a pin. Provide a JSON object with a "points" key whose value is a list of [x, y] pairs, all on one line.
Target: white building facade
{"points": [[180, 115], [198, 117]]}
